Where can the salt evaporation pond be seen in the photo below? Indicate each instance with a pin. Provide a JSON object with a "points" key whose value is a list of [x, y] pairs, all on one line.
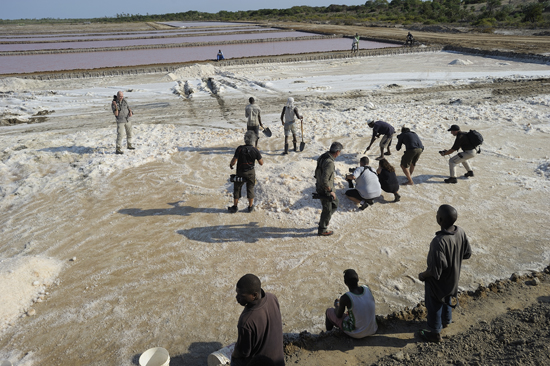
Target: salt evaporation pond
{"points": [[150, 41], [93, 60], [87, 36], [156, 255]]}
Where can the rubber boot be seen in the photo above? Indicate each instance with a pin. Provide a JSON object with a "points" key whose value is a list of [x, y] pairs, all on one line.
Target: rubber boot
{"points": [[295, 147], [286, 149]]}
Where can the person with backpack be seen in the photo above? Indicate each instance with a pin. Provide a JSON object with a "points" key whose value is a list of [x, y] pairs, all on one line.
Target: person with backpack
{"points": [[245, 158], [468, 142], [367, 185]]}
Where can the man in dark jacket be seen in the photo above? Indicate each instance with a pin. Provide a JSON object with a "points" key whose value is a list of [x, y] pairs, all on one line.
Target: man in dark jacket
{"points": [[260, 328], [324, 185], [447, 250], [413, 149], [468, 151]]}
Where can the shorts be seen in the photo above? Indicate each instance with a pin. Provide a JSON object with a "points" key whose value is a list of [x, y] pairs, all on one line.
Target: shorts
{"points": [[250, 180], [410, 157], [290, 128], [331, 315], [385, 141], [354, 193], [256, 130]]}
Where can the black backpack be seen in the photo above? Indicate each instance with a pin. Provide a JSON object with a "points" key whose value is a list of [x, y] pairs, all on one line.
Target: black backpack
{"points": [[475, 139]]}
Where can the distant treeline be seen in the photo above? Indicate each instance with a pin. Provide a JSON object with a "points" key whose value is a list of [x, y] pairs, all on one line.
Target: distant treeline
{"points": [[484, 13]]}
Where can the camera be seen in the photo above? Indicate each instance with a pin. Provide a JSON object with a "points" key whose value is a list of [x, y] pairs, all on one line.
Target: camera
{"points": [[114, 97], [350, 182], [234, 178], [318, 196]]}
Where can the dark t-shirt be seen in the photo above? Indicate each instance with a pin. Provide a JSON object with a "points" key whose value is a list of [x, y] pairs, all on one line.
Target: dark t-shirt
{"points": [[246, 156], [388, 181], [260, 331], [382, 128], [462, 142], [410, 140], [447, 250]]}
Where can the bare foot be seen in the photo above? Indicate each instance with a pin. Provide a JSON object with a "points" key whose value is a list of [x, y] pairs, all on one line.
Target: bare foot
{"points": [[407, 184]]}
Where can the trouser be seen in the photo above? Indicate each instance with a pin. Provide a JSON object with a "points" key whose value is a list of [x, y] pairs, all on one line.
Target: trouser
{"points": [[463, 158], [329, 207], [250, 180], [120, 128], [439, 313]]}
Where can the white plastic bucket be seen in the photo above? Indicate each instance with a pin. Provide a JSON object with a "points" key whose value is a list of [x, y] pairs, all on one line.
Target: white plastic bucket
{"points": [[5, 363], [157, 356], [221, 357]]}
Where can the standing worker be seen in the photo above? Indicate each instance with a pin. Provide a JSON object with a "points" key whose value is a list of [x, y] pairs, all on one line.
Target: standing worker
{"points": [[324, 185], [122, 112], [355, 44], [254, 119], [447, 250], [288, 113], [245, 158]]}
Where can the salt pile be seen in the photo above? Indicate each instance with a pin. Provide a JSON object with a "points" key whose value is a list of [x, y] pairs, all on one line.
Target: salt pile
{"points": [[23, 281]]}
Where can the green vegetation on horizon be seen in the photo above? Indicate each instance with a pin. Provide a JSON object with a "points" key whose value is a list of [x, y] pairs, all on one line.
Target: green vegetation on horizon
{"points": [[483, 13]]}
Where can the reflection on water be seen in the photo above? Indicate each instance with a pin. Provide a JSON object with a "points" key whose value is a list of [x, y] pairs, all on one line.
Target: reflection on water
{"points": [[92, 60]]}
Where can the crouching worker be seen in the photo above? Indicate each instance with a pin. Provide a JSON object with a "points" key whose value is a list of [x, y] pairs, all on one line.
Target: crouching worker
{"points": [[366, 183], [360, 320], [245, 157]]}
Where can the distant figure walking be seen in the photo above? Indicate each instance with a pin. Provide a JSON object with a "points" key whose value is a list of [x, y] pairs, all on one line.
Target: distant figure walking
{"points": [[388, 179], [254, 119], [447, 250], [355, 43], [410, 40], [413, 150], [287, 119], [219, 56], [122, 112], [360, 320]]}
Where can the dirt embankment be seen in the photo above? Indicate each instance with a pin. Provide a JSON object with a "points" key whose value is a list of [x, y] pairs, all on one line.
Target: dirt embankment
{"points": [[484, 41], [506, 322]]}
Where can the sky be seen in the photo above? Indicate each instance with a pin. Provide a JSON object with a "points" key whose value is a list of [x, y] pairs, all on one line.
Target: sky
{"points": [[31, 9]]}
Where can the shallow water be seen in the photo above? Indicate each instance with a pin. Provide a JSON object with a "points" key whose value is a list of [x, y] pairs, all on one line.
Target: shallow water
{"points": [[143, 42], [92, 60]]}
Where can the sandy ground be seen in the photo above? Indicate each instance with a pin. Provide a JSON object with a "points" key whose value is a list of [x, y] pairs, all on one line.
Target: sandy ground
{"points": [[108, 256]]}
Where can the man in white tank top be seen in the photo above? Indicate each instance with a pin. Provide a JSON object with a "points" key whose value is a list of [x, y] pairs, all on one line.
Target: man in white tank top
{"points": [[360, 319]]}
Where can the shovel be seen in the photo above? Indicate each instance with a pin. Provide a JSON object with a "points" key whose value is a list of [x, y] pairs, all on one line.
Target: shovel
{"points": [[302, 144], [267, 132]]}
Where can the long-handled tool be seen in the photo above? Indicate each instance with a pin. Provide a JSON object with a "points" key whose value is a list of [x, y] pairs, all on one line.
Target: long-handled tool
{"points": [[302, 144]]}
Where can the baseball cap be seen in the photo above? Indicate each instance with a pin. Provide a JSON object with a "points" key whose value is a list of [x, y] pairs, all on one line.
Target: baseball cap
{"points": [[454, 128]]}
